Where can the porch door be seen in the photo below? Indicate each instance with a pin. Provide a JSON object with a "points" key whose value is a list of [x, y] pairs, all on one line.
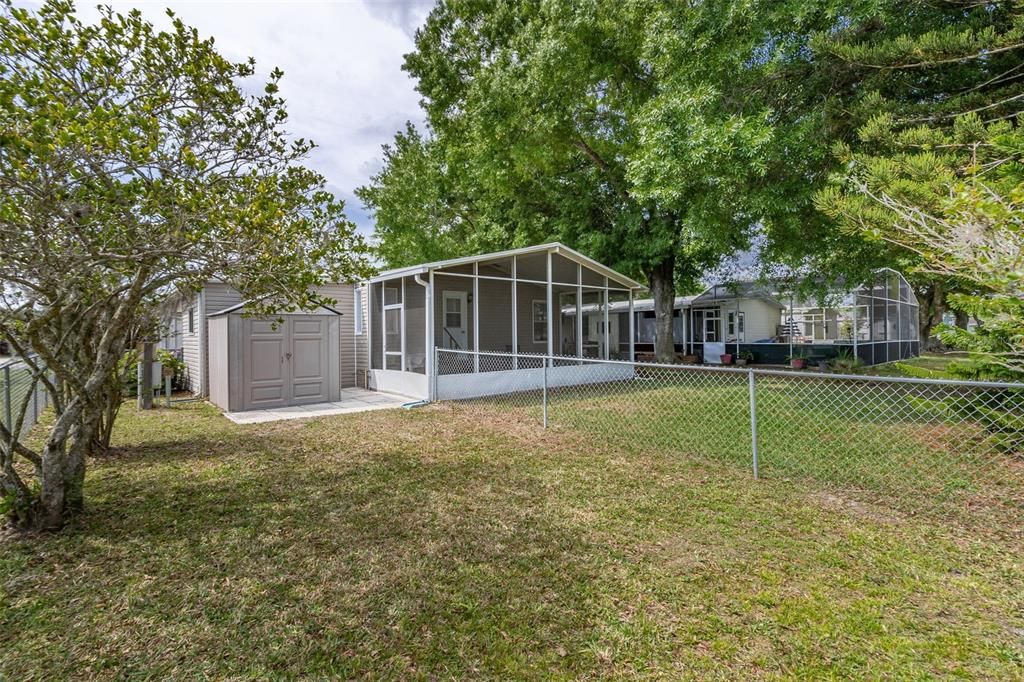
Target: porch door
{"points": [[454, 323]]}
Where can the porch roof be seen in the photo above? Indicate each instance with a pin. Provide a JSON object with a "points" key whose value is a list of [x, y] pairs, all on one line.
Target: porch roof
{"points": [[553, 247]]}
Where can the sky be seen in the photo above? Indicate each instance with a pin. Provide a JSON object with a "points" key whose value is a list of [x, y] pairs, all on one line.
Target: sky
{"points": [[342, 63]]}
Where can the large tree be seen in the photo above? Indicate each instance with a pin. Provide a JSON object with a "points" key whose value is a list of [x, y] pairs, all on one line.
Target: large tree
{"points": [[131, 163], [936, 168], [590, 122]]}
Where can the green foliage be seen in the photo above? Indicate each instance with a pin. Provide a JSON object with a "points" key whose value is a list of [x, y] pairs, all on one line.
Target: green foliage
{"points": [[937, 167], [845, 362], [132, 163]]}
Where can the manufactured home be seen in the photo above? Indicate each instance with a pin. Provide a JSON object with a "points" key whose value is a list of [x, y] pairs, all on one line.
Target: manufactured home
{"points": [[482, 325]]}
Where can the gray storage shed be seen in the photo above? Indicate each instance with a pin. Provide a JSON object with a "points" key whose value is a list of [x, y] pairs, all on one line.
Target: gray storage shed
{"points": [[265, 363]]}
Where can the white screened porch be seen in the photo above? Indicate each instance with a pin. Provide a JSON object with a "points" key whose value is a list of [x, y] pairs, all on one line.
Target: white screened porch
{"points": [[542, 300]]}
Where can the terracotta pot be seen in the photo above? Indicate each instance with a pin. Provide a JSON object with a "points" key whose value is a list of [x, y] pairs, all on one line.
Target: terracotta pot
{"points": [[726, 358], [798, 363]]}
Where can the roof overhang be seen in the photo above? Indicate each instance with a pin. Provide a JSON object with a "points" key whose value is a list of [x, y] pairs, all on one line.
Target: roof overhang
{"points": [[553, 247], [238, 307]]}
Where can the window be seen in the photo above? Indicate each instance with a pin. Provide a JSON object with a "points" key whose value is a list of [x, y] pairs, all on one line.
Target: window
{"points": [[191, 320], [453, 313], [358, 310], [540, 322], [732, 327]]}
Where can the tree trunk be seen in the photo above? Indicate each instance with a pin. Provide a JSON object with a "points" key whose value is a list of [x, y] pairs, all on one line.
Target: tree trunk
{"points": [[81, 442], [662, 280], [932, 307], [50, 513], [961, 319]]}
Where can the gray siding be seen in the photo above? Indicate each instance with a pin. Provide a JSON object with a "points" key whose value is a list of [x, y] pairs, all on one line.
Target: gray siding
{"points": [[216, 297], [190, 344], [344, 297]]}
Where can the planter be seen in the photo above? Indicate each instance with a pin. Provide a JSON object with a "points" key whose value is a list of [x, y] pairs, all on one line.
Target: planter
{"points": [[741, 362], [798, 363], [726, 358], [689, 359]]}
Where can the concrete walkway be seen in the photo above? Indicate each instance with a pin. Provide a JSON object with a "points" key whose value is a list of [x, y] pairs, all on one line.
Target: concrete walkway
{"points": [[352, 400]]}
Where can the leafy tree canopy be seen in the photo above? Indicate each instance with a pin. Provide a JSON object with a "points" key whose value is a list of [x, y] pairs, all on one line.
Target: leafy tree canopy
{"points": [[131, 163]]}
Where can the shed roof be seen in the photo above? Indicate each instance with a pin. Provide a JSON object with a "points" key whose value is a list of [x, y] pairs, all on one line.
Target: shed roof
{"points": [[553, 247]]}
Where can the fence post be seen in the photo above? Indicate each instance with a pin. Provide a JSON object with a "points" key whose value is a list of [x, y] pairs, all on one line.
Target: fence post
{"points": [[7, 397], [545, 393], [753, 419]]}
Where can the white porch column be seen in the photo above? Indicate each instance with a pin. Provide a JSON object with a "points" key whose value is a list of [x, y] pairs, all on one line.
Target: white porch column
{"points": [[607, 354], [369, 331], [579, 310], [476, 317], [515, 313], [402, 320], [736, 326], [551, 316], [693, 330], [855, 326], [428, 342], [789, 326], [632, 329]]}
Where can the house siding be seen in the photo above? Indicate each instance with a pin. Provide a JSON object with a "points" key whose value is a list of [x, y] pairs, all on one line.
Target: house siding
{"points": [[216, 297], [190, 344], [344, 296]]}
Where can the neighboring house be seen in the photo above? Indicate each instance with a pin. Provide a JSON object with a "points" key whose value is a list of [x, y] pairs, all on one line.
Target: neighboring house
{"points": [[877, 322], [480, 325]]}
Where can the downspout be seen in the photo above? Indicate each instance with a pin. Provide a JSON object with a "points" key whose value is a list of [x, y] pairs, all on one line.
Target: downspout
{"points": [[428, 333]]}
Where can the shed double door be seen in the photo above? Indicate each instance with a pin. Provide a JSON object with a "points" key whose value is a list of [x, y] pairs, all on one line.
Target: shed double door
{"points": [[290, 363]]}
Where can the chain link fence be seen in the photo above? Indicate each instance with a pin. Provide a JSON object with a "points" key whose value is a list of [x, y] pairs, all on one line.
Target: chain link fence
{"points": [[916, 444], [16, 386]]}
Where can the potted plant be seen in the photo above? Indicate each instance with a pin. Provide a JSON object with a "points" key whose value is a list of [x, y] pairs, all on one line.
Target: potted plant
{"points": [[726, 358], [798, 360], [744, 358]]}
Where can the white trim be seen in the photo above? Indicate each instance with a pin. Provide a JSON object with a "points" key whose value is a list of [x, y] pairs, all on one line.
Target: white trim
{"points": [[357, 309], [552, 247], [515, 312], [551, 306], [476, 317]]}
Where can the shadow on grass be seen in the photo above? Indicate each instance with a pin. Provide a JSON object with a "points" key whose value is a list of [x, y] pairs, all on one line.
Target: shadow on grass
{"points": [[297, 565]]}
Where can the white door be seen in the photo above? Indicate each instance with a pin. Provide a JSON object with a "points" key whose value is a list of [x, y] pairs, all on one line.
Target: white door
{"points": [[454, 324]]}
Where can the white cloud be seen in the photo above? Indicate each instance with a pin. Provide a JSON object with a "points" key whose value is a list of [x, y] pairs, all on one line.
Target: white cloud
{"points": [[342, 62]]}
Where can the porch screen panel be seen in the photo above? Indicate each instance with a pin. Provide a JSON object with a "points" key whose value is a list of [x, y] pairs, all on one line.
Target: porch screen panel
{"points": [[618, 325], [495, 310], [531, 320], [453, 312], [565, 328], [415, 327], [376, 310], [593, 323]]}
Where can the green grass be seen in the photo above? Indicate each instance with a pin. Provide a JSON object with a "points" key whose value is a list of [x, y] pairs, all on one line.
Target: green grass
{"points": [[925, 366], [919, 449], [440, 543]]}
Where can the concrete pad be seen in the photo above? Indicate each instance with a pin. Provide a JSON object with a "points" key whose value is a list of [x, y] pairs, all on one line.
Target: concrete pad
{"points": [[352, 400]]}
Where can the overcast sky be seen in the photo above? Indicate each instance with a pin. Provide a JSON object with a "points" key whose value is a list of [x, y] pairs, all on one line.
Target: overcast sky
{"points": [[342, 60]]}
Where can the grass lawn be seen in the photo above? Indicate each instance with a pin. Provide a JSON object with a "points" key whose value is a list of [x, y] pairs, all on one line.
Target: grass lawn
{"points": [[924, 366], [448, 543]]}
